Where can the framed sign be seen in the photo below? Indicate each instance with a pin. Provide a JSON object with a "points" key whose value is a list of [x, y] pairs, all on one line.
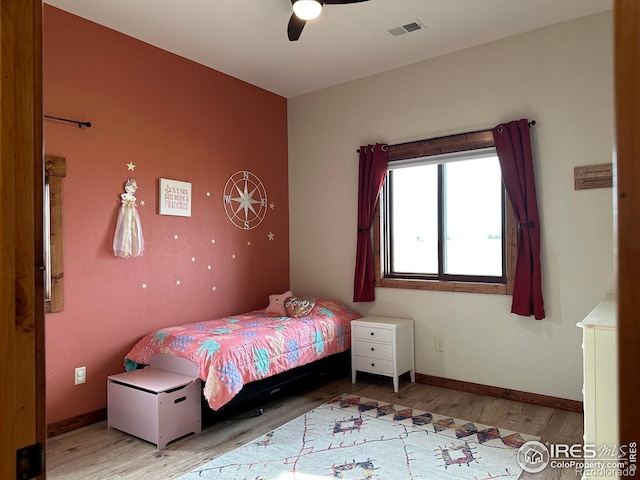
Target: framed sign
{"points": [[593, 176], [175, 198]]}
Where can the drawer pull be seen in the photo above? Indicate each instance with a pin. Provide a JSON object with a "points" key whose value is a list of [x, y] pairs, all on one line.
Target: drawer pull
{"points": [[181, 399], [372, 349], [373, 364], [372, 334]]}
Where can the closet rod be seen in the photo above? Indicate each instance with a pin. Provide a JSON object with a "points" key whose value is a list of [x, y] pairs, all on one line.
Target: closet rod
{"points": [[77, 122]]}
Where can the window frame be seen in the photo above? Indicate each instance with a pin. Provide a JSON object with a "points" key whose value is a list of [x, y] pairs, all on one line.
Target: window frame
{"points": [[438, 146], [55, 171]]}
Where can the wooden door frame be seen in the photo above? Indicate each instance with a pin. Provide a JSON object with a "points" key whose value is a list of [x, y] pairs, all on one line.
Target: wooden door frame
{"points": [[627, 212], [22, 396]]}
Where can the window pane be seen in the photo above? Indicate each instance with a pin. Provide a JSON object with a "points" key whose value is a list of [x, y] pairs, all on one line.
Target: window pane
{"points": [[414, 213], [473, 218]]}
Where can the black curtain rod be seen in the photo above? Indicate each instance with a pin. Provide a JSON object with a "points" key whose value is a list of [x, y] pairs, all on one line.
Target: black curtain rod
{"points": [[531, 124], [77, 122]]}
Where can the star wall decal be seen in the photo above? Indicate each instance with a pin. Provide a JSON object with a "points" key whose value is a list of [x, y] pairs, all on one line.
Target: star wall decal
{"points": [[144, 285], [233, 256], [193, 259], [271, 236], [142, 203], [178, 282], [131, 166], [272, 206], [208, 267], [175, 237], [214, 288], [208, 194], [249, 243], [213, 240]]}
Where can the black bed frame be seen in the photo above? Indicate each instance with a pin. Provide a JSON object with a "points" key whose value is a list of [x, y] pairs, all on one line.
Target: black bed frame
{"points": [[258, 392]]}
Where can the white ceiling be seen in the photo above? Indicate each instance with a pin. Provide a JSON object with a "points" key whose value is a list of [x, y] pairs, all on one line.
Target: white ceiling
{"points": [[247, 38]]}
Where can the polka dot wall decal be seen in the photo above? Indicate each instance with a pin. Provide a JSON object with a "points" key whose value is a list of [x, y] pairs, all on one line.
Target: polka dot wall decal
{"points": [[271, 236], [131, 166]]}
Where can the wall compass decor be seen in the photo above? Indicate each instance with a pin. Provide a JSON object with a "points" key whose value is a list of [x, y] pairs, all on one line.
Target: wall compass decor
{"points": [[245, 200]]}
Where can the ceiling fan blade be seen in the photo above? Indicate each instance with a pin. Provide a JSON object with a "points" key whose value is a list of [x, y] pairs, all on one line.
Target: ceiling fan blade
{"points": [[295, 27], [342, 2]]}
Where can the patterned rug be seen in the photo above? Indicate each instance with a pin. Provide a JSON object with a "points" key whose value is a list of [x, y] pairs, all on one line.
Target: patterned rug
{"points": [[357, 438]]}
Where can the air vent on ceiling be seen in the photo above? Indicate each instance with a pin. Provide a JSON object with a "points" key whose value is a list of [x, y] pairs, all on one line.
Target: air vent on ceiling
{"points": [[408, 28]]}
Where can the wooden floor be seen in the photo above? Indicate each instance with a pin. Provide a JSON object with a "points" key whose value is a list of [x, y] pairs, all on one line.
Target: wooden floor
{"points": [[94, 452]]}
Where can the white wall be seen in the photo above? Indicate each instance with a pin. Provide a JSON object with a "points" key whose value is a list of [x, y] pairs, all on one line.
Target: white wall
{"points": [[561, 76]]}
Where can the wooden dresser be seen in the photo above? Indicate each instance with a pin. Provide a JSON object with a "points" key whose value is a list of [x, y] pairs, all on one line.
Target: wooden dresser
{"points": [[600, 365]]}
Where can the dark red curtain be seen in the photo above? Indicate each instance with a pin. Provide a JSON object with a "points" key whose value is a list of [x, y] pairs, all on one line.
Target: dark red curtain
{"points": [[513, 146], [373, 169]]}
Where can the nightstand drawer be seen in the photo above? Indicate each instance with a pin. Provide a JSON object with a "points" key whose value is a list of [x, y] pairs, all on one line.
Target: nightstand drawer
{"points": [[373, 333], [374, 365], [383, 350]]}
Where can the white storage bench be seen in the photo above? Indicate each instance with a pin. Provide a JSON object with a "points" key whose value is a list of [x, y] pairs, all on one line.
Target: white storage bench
{"points": [[159, 403]]}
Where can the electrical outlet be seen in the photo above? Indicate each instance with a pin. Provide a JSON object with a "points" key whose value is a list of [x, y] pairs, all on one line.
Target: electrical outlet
{"points": [[81, 375], [439, 344]]}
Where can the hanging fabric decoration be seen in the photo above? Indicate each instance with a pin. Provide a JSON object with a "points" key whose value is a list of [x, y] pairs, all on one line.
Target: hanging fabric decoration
{"points": [[128, 240]]}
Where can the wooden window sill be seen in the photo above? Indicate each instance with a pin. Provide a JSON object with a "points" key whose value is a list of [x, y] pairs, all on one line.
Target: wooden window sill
{"points": [[465, 287]]}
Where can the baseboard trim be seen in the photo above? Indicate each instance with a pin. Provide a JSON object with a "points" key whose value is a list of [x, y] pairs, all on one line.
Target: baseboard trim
{"points": [[73, 423], [499, 392]]}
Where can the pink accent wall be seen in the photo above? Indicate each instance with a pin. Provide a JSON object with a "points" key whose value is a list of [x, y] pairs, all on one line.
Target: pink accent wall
{"points": [[173, 119]]}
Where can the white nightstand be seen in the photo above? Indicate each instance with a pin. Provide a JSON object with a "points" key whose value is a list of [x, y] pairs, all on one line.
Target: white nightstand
{"points": [[382, 345]]}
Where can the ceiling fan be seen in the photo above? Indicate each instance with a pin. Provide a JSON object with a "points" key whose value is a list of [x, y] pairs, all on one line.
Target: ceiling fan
{"points": [[304, 10]]}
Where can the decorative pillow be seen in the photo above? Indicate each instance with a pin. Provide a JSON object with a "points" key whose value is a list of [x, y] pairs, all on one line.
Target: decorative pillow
{"points": [[276, 304], [299, 306]]}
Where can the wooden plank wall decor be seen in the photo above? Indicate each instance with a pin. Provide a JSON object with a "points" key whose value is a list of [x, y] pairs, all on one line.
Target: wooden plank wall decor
{"points": [[593, 176], [55, 171]]}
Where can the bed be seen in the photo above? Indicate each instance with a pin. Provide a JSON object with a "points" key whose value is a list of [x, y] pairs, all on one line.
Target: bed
{"points": [[241, 350]]}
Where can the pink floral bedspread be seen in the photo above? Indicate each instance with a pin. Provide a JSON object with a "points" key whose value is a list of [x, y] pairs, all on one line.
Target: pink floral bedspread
{"points": [[232, 351]]}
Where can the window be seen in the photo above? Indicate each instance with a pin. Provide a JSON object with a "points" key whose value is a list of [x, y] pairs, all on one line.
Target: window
{"points": [[444, 222], [55, 170]]}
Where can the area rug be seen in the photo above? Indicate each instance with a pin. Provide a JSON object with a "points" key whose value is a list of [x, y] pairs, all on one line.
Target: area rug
{"points": [[358, 438]]}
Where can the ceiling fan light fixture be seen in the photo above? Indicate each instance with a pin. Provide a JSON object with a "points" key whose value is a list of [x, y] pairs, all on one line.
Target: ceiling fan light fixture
{"points": [[307, 9]]}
